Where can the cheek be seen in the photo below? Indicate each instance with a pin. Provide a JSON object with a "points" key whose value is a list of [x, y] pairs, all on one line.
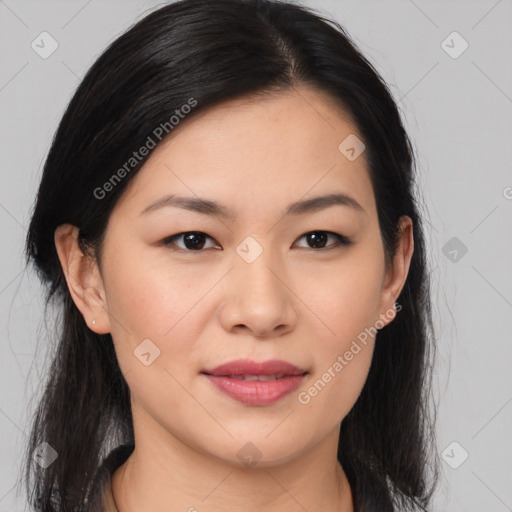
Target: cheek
{"points": [[345, 299], [343, 353], [348, 309], [329, 395], [151, 302], [152, 312]]}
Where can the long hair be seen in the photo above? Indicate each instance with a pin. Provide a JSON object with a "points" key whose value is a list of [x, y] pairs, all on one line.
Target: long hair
{"points": [[212, 51]]}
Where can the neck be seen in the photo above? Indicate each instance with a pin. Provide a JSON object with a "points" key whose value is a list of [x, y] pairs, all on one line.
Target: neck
{"points": [[165, 473]]}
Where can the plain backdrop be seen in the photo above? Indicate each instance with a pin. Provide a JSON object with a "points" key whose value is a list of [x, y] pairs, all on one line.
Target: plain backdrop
{"points": [[448, 64]]}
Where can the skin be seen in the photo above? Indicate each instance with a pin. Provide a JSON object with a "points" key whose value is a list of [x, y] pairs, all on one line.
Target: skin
{"points": [[295, 302]]}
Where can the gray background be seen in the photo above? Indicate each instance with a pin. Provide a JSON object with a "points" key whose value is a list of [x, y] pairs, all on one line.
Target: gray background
{"points": [[459, 114]]}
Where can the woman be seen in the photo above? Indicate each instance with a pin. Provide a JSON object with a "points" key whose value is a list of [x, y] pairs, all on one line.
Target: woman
{"points": [[227, 221]]}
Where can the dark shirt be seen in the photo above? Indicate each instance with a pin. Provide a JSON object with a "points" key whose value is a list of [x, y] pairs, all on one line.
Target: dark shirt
{"points": [[101, 497]]}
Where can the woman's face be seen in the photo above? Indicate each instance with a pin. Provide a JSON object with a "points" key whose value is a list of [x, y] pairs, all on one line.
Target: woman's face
{"points": [[258, 282]]}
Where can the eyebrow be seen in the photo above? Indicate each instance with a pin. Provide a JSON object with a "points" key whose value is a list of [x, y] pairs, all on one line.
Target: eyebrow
{"points": [[207, 207]]}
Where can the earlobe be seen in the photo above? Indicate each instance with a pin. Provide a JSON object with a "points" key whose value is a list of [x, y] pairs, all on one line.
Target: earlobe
{"points": [[83, 279], [397, 274]]}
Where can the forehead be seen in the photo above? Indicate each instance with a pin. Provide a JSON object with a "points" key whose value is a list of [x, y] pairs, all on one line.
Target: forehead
{"points": [[271, 149]]}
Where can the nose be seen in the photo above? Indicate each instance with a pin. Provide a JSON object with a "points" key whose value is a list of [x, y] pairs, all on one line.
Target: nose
{"points": [[258, 299]]}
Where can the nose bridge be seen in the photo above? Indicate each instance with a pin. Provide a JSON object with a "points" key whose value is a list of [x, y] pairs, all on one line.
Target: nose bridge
{"points": [[258, 298], [255, 274]]}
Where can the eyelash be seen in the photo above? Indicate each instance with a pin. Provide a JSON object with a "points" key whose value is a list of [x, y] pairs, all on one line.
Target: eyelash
{"points": [[341, 240]]}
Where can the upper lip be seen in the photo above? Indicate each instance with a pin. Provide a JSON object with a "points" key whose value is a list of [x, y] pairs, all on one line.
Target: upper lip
{"points": [[249, 367]]}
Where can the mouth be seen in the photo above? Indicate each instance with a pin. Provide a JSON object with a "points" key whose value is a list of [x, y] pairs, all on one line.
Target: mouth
{"points": [[275, 368], [260, 378], [256, 384]]}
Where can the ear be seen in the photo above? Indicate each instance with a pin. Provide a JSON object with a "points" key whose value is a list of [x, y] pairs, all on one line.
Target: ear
{"points": [[396, 275], [83, 279]]}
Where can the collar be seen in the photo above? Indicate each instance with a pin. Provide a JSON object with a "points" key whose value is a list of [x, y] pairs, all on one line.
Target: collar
{"points": [[101, 496]]}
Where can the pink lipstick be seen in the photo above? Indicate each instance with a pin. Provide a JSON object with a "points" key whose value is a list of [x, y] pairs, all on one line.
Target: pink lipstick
{"points": [[256, 383]]}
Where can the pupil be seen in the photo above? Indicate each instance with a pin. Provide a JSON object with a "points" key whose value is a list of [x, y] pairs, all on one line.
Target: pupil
{"points": [[189, 241], [316, 238]]}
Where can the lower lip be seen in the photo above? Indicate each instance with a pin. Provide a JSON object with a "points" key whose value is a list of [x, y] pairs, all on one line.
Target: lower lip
{"points": [[255, 392]]}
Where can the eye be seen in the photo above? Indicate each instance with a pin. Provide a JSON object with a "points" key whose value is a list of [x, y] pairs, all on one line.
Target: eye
{"points": [[318, 239], [193, 240]]}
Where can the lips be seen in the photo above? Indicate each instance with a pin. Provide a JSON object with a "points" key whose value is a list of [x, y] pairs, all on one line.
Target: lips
{"points": [[248, 367], [261, 378], [254, 383]]}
